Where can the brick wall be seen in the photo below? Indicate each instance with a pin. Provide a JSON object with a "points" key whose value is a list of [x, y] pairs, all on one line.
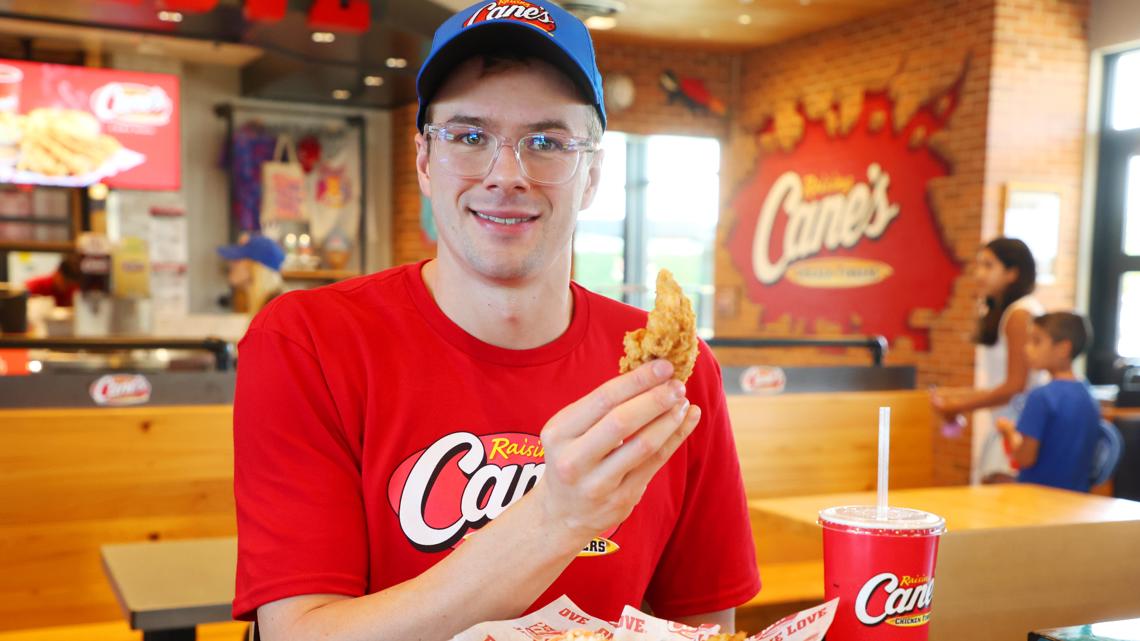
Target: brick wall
{"points": [[409, 241], [1020, 118], [1037, 118]]}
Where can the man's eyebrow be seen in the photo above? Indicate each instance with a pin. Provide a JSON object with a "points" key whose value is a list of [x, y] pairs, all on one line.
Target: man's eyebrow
{"points": [[543, 125], [463, 119]]}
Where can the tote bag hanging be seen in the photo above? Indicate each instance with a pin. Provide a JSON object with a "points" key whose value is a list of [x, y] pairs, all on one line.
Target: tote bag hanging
{"points": [[282, 186]]}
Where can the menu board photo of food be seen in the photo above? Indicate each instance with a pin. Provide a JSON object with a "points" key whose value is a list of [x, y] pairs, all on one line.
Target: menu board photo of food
{"points": [[76, 126]]}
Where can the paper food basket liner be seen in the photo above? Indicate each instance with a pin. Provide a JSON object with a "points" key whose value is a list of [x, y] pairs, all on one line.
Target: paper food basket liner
{"points": [[562, 616]]}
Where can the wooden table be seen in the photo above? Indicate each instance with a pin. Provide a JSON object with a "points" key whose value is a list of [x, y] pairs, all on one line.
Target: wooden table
{"points": [[1015, 557], [167, 588]]}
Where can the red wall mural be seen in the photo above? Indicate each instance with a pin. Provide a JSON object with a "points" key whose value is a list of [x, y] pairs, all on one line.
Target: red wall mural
{"points": [[837, 225]]}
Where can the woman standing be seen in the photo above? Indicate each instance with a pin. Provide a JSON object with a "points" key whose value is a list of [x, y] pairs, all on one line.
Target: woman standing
{"points": [[1006, 274]]}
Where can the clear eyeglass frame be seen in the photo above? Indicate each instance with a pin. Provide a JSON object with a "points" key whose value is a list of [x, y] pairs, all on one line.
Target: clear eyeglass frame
{"points": [[546, 158]]}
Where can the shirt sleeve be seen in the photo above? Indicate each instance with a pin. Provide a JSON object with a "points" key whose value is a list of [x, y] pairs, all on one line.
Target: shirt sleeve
{"points": [[297, 484], [1035, 416], [709, 563]]}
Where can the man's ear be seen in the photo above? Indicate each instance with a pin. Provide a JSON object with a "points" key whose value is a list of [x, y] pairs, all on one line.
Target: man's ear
{"points": [[593, 176], [422, 165]]}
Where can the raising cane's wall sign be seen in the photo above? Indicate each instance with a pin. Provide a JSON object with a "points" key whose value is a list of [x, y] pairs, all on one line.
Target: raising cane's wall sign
{"points": [[76, 126], [838, 227]]}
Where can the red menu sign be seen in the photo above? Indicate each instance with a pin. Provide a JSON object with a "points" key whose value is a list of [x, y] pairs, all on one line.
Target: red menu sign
{"points": [[839, 228], [77, 126]]}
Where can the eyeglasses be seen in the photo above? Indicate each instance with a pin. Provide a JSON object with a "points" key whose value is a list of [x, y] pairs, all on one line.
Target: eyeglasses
{"points": [[546, 158]]}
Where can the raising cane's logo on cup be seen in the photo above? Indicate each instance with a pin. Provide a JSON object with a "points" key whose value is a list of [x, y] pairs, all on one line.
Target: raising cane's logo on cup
{"points": [[130, 103], [120, 389], [882, 571]]}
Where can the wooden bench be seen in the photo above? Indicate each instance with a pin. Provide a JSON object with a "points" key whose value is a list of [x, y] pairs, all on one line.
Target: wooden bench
{"points": [[74, 479], [801, 444]]}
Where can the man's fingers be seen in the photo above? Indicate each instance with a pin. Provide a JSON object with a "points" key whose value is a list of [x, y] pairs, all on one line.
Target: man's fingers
{"points": [[645, 444], [579, 416], [626, 420], [643, 473]]}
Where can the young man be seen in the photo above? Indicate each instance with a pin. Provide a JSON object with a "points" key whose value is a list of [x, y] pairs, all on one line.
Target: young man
{"points": [[1056, 434], [446, 443]]}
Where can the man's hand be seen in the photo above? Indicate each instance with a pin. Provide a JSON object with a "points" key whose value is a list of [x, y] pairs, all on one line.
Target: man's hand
{"points": [[602, 450], [1005, 426]]}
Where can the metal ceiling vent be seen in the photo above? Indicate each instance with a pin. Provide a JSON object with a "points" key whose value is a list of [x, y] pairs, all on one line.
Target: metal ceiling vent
{"points": [[586, 9]]}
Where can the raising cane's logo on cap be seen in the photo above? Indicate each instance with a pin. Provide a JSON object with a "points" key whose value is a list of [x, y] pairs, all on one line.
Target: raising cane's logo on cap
{"points": [[462, 482], [120, 389], [130, 103], [519, 10]]}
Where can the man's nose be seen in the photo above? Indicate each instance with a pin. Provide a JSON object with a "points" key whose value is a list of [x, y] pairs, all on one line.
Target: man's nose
{"points": [[506, 170]]}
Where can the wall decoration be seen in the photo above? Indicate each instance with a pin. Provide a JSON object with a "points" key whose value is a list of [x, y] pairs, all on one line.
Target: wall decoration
{"points": [[619, 92], [1032, 213], [835, 227], [691, 92]]}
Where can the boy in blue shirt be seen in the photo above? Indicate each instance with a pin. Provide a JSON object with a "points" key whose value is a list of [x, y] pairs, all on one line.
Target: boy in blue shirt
{"points": [[1056, 434]]}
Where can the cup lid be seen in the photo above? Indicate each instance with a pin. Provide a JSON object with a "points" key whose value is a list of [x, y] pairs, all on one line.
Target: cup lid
{"points": [[897, 518]]}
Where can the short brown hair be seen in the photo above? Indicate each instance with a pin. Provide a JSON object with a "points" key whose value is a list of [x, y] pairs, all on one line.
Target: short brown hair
{"points": [[1066, 326]]}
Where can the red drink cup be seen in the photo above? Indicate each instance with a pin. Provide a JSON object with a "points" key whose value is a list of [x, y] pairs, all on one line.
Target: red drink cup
{"points": [[882, 570]]}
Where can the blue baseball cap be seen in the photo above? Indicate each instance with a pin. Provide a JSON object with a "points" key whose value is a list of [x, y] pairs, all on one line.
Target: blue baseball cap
{"points": [[257, 248], [530, 27]]}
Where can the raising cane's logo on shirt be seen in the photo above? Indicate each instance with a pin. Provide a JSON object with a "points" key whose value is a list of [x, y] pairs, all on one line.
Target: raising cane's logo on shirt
{"points": [[463, 481], [519, 10]]}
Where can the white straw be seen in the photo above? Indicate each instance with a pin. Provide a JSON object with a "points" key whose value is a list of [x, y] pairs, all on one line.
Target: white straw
{"points": [[884, 460]]}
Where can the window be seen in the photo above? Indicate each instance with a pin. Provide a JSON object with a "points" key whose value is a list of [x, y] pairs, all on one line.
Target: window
{"points": [[1115, 289], [656, 208]]}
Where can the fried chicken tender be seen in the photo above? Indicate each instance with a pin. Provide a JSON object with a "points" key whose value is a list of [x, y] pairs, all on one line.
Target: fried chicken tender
{"points": [[670, 334]]}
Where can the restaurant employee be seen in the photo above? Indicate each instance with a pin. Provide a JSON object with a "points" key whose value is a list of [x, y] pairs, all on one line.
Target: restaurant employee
{"points": [[447, 442]]}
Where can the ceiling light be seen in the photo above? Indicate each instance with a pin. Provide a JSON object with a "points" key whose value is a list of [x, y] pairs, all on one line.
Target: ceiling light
{"points": [[601, 23], [323, 37], [373, 81], [170, 16], [341, 94], [396, 63], [744, 18], [35, 367]]}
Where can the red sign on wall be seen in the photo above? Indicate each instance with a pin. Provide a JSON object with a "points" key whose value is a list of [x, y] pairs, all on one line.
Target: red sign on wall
{"points": [[76, 126], [840, 228]]}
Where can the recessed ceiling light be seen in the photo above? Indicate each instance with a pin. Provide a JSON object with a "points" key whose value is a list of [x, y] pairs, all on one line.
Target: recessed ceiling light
{"points": [[341, 94], [601, 23], [323, 37], [373, 81], [170, 16], [396, 63], [744, 18]]}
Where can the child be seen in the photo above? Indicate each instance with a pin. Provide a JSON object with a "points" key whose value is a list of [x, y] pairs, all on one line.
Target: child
{"points": [[1057, 432], [1005, 274]]}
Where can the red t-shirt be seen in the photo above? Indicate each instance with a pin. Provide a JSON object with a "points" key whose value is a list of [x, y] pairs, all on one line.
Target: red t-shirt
{"points": [[371, 433], [45, 286]]}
